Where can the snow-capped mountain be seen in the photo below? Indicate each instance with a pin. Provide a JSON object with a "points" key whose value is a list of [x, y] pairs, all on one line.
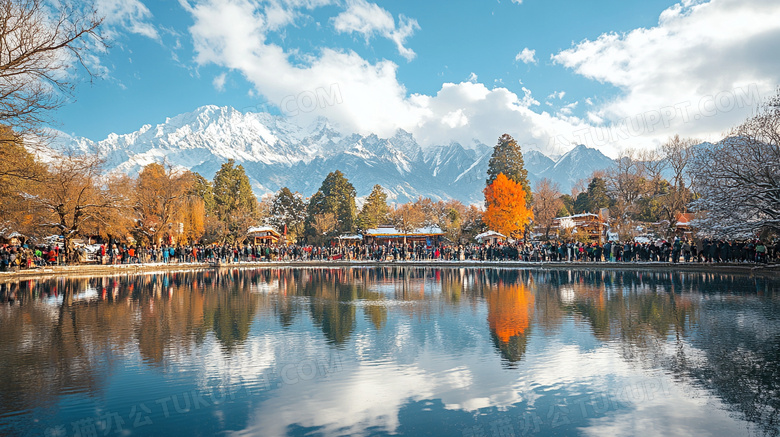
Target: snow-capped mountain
{"points": [[578, 163], [276, 153]]}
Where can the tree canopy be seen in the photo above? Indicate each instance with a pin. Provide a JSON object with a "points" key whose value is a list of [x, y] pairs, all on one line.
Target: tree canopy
{"points": [[506, 210], [288, 211], [507, 158], [374, 211], [234, 202], [738, 179], [335, 196]]}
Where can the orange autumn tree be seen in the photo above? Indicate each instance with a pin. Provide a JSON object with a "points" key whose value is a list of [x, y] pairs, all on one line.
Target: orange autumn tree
{"points": [[506, 211]]}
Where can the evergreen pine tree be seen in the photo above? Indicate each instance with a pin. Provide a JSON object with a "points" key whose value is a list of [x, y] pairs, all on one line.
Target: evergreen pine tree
{"points": [[597, 195], [232, 190], [234, 202], [335, 196], [288, 209], [507, 158], [375, 210], [201, 188], [595, 198]]}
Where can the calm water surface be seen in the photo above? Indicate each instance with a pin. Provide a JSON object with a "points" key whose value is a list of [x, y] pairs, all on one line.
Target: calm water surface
{"points": [[381, 351]]}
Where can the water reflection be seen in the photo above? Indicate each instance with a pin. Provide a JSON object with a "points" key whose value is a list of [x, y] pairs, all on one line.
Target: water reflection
{"points": [[510, 310], [413, 343]]}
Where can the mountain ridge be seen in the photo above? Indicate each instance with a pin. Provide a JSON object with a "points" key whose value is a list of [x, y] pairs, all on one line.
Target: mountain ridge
{"points": [[275, 153]]}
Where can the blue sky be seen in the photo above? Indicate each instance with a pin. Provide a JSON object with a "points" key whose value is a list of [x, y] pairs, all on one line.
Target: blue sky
{"points": [[610, 74]]}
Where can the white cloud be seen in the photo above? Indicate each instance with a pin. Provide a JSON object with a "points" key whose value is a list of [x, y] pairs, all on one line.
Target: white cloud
{"points": [[557, 95], [698, 72], [370, 19], [527, 55], [219, 82], [131, 15], [569, 108], [368, 97]]}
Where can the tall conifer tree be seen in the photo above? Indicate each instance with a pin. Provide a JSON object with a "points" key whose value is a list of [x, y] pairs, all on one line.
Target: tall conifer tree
{"points": [[507, 158], [288, 210], [234, 202], [375, 210], [335, 196]]}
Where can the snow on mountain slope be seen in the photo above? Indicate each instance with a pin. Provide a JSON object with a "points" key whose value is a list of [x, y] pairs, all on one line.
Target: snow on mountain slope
{"points": [[275, 153], [578, 163]]}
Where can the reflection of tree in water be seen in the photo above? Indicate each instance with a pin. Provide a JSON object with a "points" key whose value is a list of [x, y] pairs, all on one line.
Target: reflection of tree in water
{"points": [[332, 295], [331, 304], [736, 337], [46, 349], [626, 306], [510, 311], [231, 315], [740, 341], [72, 346], [177, 312], [377, 314]]}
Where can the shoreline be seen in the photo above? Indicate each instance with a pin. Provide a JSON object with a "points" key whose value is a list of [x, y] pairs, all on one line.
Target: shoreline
{"points": [[132, 269]]}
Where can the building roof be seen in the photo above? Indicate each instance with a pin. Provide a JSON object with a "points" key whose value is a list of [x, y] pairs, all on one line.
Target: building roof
{"points": [[385, 231], [684, 219], [489, 234], [587, 214], [262, 230], [350, 237]]}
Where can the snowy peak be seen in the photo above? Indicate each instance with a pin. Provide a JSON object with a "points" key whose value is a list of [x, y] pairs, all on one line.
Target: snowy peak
{"points": [[536, 162], [578, 163], [582, 155], [277, 152]]}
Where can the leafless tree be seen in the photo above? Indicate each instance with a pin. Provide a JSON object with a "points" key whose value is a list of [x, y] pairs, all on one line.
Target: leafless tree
{"points": [[40, 45], [738, 179], [653, 166], [547, 202], [324, 224], [677, 156], [72, 195], [626, 183]]}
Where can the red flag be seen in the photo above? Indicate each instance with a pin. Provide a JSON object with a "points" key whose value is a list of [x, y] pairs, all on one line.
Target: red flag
{"points": [[285, 229]]}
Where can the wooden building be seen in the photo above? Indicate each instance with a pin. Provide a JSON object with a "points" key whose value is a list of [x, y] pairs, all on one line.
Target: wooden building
{"points": [[263, 235], [347, 240], [591, 224], [490, 237], [428, 236], [682, 226]]}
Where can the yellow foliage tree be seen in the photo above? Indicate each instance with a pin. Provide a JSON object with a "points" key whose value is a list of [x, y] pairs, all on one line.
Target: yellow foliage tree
{"points": [[506, 211], [193, 216]]}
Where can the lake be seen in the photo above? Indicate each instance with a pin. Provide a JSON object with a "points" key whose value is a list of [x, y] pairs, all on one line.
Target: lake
{"points": [[391, 351]]}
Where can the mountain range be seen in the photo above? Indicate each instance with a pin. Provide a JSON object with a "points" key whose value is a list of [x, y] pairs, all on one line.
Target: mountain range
{"points": [[276, 153]]}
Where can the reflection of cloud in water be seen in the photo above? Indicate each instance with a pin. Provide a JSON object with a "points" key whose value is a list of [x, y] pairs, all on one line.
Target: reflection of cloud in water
{"points": [[265, 287], [567, 295], [349, 402], [367, 396], [675, 414], [88, 294], [252, 365]]}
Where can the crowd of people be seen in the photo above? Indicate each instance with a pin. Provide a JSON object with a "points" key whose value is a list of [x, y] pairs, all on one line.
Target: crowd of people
{"points": [[672, 251]]}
